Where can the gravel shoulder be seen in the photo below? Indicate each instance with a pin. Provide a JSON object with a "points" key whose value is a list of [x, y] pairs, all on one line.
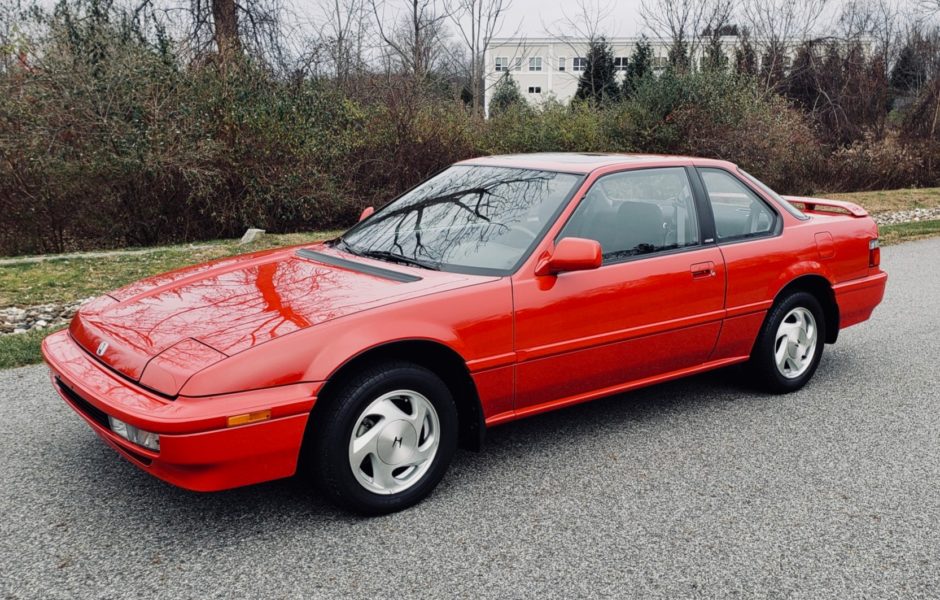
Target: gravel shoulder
{"points": [[699, 488]]}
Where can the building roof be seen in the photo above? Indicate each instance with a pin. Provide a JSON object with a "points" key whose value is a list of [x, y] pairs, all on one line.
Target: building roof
{"points": [[577, 162]]}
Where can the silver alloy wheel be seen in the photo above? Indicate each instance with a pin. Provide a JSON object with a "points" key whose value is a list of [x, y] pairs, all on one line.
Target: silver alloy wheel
{"points": [[795, 344], [394, 441]]}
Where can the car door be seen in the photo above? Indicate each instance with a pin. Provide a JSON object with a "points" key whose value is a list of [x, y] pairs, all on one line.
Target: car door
{"points": [[747, 230], [654, 306]]}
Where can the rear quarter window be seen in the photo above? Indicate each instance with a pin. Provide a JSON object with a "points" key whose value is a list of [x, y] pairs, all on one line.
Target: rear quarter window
{"points": [[739, 212]]}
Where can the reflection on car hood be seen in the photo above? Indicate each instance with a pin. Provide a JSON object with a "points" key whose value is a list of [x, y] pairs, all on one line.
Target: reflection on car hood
{"points": [[233, 304]]}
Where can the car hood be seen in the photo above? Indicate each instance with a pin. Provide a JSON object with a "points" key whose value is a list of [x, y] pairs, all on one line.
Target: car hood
{"points": [[162, 330]]}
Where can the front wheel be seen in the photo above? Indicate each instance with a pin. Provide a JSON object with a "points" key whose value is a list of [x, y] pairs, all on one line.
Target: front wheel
{"points": [[790, 344], [384, 441]]}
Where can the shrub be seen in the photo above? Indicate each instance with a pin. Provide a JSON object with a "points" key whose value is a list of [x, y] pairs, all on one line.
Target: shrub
{"points": [[872, 164], [550, 127], [722, 115], [505, 94], [109, 140]]}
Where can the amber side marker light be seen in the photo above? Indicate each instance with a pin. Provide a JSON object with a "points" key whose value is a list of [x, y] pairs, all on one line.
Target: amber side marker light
{"points": [[252, 417]]}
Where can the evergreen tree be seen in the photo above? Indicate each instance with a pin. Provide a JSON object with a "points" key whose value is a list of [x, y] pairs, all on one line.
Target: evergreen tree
{"points": [[909, 72], [678, 56], [772, 69], [505, 95], [715, 58], [801, 85], [598, 82], [745, 58], [639, 67]]}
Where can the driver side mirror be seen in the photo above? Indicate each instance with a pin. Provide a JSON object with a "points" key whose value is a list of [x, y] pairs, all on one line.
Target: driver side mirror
{"points": [[366, 213], [571, 254]]}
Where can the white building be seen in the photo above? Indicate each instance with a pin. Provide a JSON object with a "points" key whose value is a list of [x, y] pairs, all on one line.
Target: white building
{"points": [[547, 67]]}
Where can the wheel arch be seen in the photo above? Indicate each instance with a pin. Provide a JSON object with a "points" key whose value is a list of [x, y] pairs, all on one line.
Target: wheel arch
{"points": [[818, 286], [434, 356]]}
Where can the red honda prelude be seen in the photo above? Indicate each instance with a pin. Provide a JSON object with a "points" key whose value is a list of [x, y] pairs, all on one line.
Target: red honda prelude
{"points": [[500, 288]]}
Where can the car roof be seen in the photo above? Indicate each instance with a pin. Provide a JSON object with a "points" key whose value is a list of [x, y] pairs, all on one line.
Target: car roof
{"points": [[586, 162]]}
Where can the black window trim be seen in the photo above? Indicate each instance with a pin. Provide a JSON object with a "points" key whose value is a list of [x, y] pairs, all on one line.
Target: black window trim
{"points": [[775, 231], [625, 259], [753, 182]]}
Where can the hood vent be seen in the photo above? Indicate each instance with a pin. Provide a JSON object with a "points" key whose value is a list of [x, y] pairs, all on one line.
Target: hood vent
{"points": [[351, 265]]}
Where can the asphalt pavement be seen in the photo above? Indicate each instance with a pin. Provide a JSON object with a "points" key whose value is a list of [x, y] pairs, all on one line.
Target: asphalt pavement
{"points": [[699, 488]]}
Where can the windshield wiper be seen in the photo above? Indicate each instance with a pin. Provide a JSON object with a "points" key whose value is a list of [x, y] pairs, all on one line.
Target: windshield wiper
{"points": [[393, 257], [344, 246]]}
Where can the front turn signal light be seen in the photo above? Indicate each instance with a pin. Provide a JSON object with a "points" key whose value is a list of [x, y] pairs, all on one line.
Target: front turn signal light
{"points": [[136, 435], [252, 417]]}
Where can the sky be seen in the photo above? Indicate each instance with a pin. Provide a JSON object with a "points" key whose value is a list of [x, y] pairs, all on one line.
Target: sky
{"points": [[541, 17], [547, 17]]}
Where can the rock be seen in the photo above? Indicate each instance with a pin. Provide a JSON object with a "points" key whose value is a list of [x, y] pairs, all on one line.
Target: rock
{"points": [[251, 235], [19, 330], [907, 216], [40, 323]]}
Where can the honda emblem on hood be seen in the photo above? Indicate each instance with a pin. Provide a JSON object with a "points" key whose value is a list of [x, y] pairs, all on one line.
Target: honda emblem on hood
{"points": [[102, 348]]}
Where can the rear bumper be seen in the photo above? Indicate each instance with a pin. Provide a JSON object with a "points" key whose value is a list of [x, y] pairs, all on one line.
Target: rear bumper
{"points": [[859, 297], [197, 450]]}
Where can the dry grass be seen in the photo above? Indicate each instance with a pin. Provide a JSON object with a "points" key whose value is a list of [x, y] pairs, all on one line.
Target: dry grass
{"points": [[891, 200], [64, 280]]}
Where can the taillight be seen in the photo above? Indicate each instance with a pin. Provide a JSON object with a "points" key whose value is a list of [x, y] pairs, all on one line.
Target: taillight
{"points": [[874, 253]]}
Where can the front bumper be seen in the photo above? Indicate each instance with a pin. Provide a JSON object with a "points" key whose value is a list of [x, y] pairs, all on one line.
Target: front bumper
{"points": [[197, 449]]}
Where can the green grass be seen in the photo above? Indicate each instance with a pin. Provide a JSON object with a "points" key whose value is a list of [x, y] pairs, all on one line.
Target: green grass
{"points": [[22, 349], [906, 232]]}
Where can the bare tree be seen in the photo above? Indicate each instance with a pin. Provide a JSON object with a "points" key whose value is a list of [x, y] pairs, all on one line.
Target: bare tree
{"points": [[228, 26], [930, 7], [343, 35], [877, 20], [413, 32], [477, 21], [589, 20], [684, 23], [778, 26]]}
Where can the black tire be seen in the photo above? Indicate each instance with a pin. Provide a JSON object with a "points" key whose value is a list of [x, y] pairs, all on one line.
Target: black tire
{"points": [[763, 366], [332, 426]]}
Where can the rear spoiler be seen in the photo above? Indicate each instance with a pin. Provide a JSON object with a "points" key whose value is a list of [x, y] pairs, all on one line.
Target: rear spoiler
{"points": [[811, 204]]}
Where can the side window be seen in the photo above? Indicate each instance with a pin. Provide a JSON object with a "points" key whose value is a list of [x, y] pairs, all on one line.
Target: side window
{"points": [[739, 213], [637, 212]]}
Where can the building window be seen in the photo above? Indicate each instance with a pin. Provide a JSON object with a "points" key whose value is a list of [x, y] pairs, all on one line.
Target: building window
{"points": [[535, 89], [561, 63], [659, 62], [620, 63], [579, 64], [535, 63], [502, 63], [517, 64]]}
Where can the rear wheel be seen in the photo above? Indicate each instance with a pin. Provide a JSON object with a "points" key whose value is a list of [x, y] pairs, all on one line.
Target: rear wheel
{"points": [[790, 344], [385, 439]]}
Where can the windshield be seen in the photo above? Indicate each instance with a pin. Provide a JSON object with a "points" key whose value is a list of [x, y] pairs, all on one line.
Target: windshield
{"points": [[470, 219], [780, 199]]}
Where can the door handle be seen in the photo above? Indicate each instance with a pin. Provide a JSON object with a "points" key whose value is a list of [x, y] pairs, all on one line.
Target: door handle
{"points": [[702, 270]]}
